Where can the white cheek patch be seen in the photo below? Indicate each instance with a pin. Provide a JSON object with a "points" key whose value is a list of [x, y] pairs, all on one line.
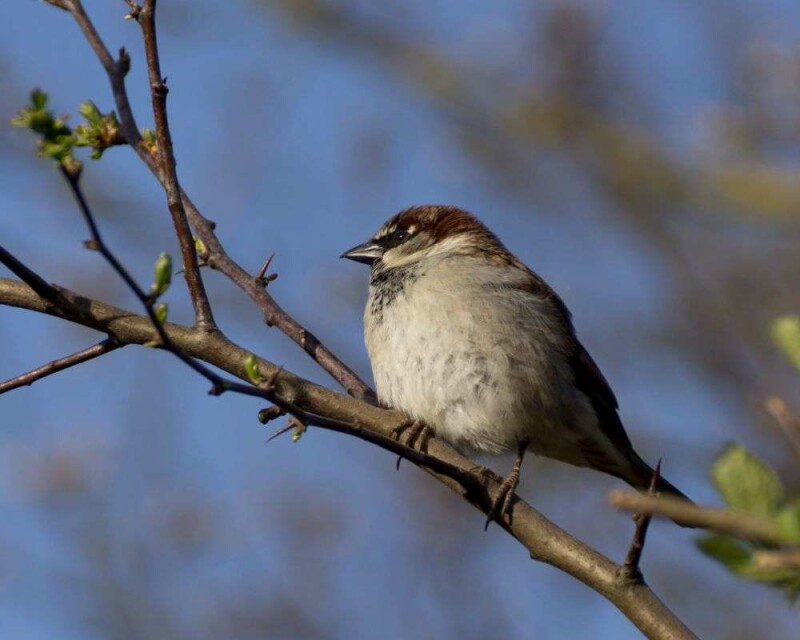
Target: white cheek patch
{"points": [[404, 255], [395, 257]]}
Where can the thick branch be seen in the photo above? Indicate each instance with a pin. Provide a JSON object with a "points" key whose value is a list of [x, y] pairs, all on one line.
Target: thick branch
{"points": [[217, 257], [27, 379], [543, 540], [683, 512]]}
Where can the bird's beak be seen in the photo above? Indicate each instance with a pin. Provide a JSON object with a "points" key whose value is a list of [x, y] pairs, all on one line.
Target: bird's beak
{"points": [[368, 252]]}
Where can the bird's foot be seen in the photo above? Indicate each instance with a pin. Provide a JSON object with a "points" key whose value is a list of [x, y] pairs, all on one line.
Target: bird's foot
{"points": [[502, 501], [501, 505], [418, 435]]}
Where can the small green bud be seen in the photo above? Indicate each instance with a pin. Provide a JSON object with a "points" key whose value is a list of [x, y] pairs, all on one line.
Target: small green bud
{"points": [[299, 430], [163, 275], [38, 99], [200, 247], [251, 367], [92, 114], [161, 310], [149, 141]]}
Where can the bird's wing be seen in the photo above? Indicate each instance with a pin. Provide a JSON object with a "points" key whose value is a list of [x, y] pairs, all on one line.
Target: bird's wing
{"points": [[588, 377], [590, 380]]}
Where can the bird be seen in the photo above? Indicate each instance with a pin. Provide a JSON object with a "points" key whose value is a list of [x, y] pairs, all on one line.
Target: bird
{"points": [[478, 350]]}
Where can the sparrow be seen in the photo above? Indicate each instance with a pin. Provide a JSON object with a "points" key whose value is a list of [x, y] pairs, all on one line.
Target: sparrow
{"points": [[476, 348]]}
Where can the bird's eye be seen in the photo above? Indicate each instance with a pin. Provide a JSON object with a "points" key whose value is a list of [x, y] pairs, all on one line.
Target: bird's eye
{"points": [[394, 239]]}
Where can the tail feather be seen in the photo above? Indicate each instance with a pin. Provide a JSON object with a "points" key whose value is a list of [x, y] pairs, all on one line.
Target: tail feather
{"points": [[642, 477]]}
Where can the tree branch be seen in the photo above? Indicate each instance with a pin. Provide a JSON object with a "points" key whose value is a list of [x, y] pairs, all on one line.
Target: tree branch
{"points": [[542, 539], [27, 379], [158, 93], [683, 512], [33, 279], [217, 257], [785, 559], [790, 425]]}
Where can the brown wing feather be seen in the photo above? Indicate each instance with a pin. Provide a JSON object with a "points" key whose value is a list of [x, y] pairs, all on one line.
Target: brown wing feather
{"points": [[588, 377]]}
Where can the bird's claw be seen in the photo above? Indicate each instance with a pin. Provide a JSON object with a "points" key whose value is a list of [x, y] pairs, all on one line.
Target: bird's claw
{"points": [[501, 504], [419, 433]]}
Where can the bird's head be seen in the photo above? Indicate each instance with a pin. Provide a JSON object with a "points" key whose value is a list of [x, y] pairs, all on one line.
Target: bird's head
{"points": [[423, 232]]}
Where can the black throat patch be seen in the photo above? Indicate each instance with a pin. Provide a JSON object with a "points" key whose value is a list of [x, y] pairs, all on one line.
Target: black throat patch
{"points": [[387, 284]]}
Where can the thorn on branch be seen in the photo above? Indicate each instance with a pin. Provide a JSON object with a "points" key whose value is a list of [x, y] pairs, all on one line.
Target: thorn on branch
{"points": [[629, 571], [279, 432], [297, 426], [262, 277]]}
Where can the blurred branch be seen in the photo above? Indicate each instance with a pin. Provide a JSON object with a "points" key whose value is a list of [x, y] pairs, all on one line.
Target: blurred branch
{"points": [[789, 424], [785, 559], [27, 379], [215, 255], [319, 406], [683, 512], [626, 159]]}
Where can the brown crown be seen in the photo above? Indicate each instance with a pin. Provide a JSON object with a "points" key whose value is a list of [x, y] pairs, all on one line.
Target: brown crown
{"points": [[441, 221]]}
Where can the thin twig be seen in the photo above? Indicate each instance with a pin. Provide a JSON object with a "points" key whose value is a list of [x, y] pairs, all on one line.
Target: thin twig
{"points": [[218, 258], [27, 379], [33, 280], [158, 93], [630, 567], [683, 512], [219, 384]]}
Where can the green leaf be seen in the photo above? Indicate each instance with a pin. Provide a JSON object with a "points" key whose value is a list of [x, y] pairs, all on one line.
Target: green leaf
{"points": [[92, 114], [728, 550], [163, 275], [251, 367], [786, 334], [739, 559], [788, 521], [746, 483]]}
